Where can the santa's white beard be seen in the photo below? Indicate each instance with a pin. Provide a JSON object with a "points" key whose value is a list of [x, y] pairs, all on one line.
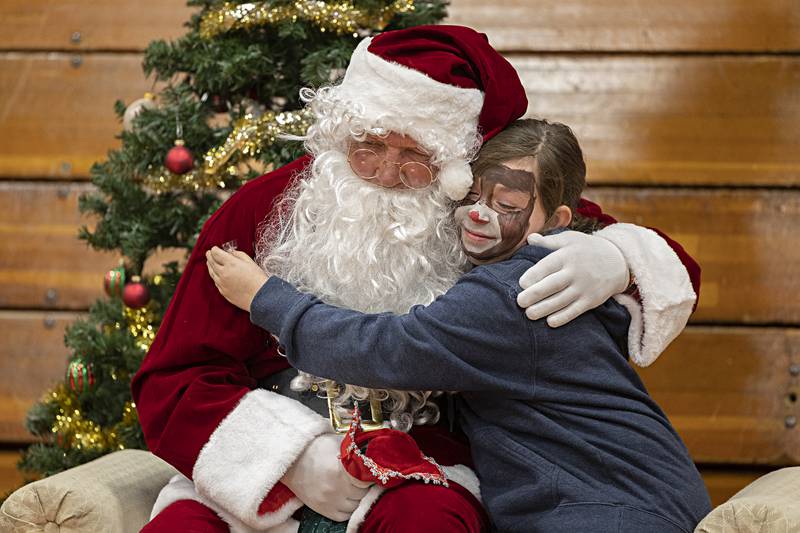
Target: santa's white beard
{"points": [[358, 245]]}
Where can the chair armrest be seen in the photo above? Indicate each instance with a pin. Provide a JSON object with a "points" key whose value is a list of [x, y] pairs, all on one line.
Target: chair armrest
{"points": [[769, 503], [113, 493]]}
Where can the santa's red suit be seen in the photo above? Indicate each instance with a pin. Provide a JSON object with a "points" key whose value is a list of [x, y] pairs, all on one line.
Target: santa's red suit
{"points": [[202, 412]]}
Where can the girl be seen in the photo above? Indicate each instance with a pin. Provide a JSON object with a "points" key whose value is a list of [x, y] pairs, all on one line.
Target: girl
{"points": [[563, 434]]}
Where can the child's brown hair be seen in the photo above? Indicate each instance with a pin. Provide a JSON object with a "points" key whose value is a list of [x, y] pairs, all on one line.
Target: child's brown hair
{"points": [[560, 170]]}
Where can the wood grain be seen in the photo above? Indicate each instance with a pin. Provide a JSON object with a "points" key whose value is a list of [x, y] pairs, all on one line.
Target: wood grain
{"points": [[745, 242], [102, 24], [56, 119], [42, 263], [512, 25], [674, 120], [643, 25], [641, 120], [722, 483], [10, 477], [32, 360], [729, 391]]}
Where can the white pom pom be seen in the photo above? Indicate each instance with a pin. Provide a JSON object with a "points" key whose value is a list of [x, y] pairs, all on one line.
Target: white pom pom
{"points": [[456, 179]]}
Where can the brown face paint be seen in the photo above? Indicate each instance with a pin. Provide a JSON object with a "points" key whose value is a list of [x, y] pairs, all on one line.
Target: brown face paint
{"points": [[501, 213]]}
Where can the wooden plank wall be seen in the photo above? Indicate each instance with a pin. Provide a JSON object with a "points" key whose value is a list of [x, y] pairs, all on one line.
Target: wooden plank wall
{"points": [[688, 113]]}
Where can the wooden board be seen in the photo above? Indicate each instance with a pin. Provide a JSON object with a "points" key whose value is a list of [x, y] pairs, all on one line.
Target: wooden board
{"points": [[10, 477], [721, 483], [729, 393], [641, 120], [644, 25], [746, 242], [56, 119], [42, 262], [674, 120], [32, 360], [101, 24]]}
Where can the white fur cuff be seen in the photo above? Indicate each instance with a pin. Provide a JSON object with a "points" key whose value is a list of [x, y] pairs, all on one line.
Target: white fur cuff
{"points": [[251, 450], [181, 488], [664, 286]]}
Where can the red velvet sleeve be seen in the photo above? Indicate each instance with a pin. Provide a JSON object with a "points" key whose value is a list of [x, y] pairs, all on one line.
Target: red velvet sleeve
{"points": [[201, 362], [590, 209]]}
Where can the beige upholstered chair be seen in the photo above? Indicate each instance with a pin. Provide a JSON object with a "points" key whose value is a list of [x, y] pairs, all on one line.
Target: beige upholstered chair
{"points": [[112, 494], [770, 504], [115, 494]]}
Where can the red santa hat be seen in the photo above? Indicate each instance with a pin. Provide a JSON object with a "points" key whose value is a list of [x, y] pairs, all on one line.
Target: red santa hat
{"points": [[441, 85]]}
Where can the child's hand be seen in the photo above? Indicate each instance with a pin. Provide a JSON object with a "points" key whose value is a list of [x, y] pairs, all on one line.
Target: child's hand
{"points": [[236, 275]]}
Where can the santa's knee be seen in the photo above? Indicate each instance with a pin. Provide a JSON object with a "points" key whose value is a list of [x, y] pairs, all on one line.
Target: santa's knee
{"points": [[186, 515], [426, 508]]}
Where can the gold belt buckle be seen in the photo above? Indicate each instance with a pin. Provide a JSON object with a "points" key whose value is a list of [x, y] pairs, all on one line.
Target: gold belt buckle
{"points": [[375, 423]]}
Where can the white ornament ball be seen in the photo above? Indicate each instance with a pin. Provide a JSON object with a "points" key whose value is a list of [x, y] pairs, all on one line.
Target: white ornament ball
{"points": [[136, 107]]}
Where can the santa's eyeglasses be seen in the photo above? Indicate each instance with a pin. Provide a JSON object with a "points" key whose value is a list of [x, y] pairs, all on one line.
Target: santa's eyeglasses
{"points": [[367, 163]]}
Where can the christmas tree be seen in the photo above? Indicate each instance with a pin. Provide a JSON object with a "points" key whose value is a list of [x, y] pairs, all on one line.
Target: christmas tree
{"points": [[229, 89]]}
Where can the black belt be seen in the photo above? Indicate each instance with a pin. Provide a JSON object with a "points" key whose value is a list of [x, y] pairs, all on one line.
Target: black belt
{"points": [[280, 383]]}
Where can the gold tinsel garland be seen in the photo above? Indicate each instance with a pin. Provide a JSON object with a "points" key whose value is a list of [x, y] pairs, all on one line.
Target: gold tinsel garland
{"points": [[72, 430], [250, 135], [337, 17], [140, 324]]}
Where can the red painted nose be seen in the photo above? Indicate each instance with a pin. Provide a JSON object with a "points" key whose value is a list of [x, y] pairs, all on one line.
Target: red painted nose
{"points": [[476, 217]]}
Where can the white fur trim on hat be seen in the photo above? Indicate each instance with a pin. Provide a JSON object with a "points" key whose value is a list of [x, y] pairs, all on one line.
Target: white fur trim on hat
{"points": [[664, 286], [456, 178], [407, 101], [364, 507]]}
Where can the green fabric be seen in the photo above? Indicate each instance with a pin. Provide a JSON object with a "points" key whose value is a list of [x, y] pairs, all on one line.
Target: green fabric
{"points": [[313, 522]]}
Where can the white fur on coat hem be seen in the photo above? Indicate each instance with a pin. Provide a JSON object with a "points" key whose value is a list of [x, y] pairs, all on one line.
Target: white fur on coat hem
{"points": [[249, 453], [664, 286], [464, 476], [361, 512], [181, 488]]}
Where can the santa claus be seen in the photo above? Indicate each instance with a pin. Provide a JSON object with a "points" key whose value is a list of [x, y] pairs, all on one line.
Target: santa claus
{"points": [[366, 222]]}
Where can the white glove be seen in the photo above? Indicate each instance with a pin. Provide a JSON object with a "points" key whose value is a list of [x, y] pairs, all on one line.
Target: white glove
{"points": [[583, 272], [320, 481]]}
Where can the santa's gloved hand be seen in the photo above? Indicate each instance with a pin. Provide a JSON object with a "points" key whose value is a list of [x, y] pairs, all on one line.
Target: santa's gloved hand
{"points": [[583, 272], [320, 481]]}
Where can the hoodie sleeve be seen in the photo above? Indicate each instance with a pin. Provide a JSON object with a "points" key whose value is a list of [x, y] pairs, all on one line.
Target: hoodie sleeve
{"points": [[473, 338]]}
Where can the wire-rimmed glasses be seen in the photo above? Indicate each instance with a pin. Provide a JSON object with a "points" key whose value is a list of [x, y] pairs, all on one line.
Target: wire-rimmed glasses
{"points": [[366, 163]]}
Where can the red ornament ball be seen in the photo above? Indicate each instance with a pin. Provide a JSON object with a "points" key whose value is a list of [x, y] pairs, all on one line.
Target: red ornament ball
{"points": [[136, 294], [179, 159]]}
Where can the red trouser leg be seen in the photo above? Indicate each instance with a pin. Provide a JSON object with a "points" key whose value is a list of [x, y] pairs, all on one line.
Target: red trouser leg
{"points": [[425, 508], [186, 516]]}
